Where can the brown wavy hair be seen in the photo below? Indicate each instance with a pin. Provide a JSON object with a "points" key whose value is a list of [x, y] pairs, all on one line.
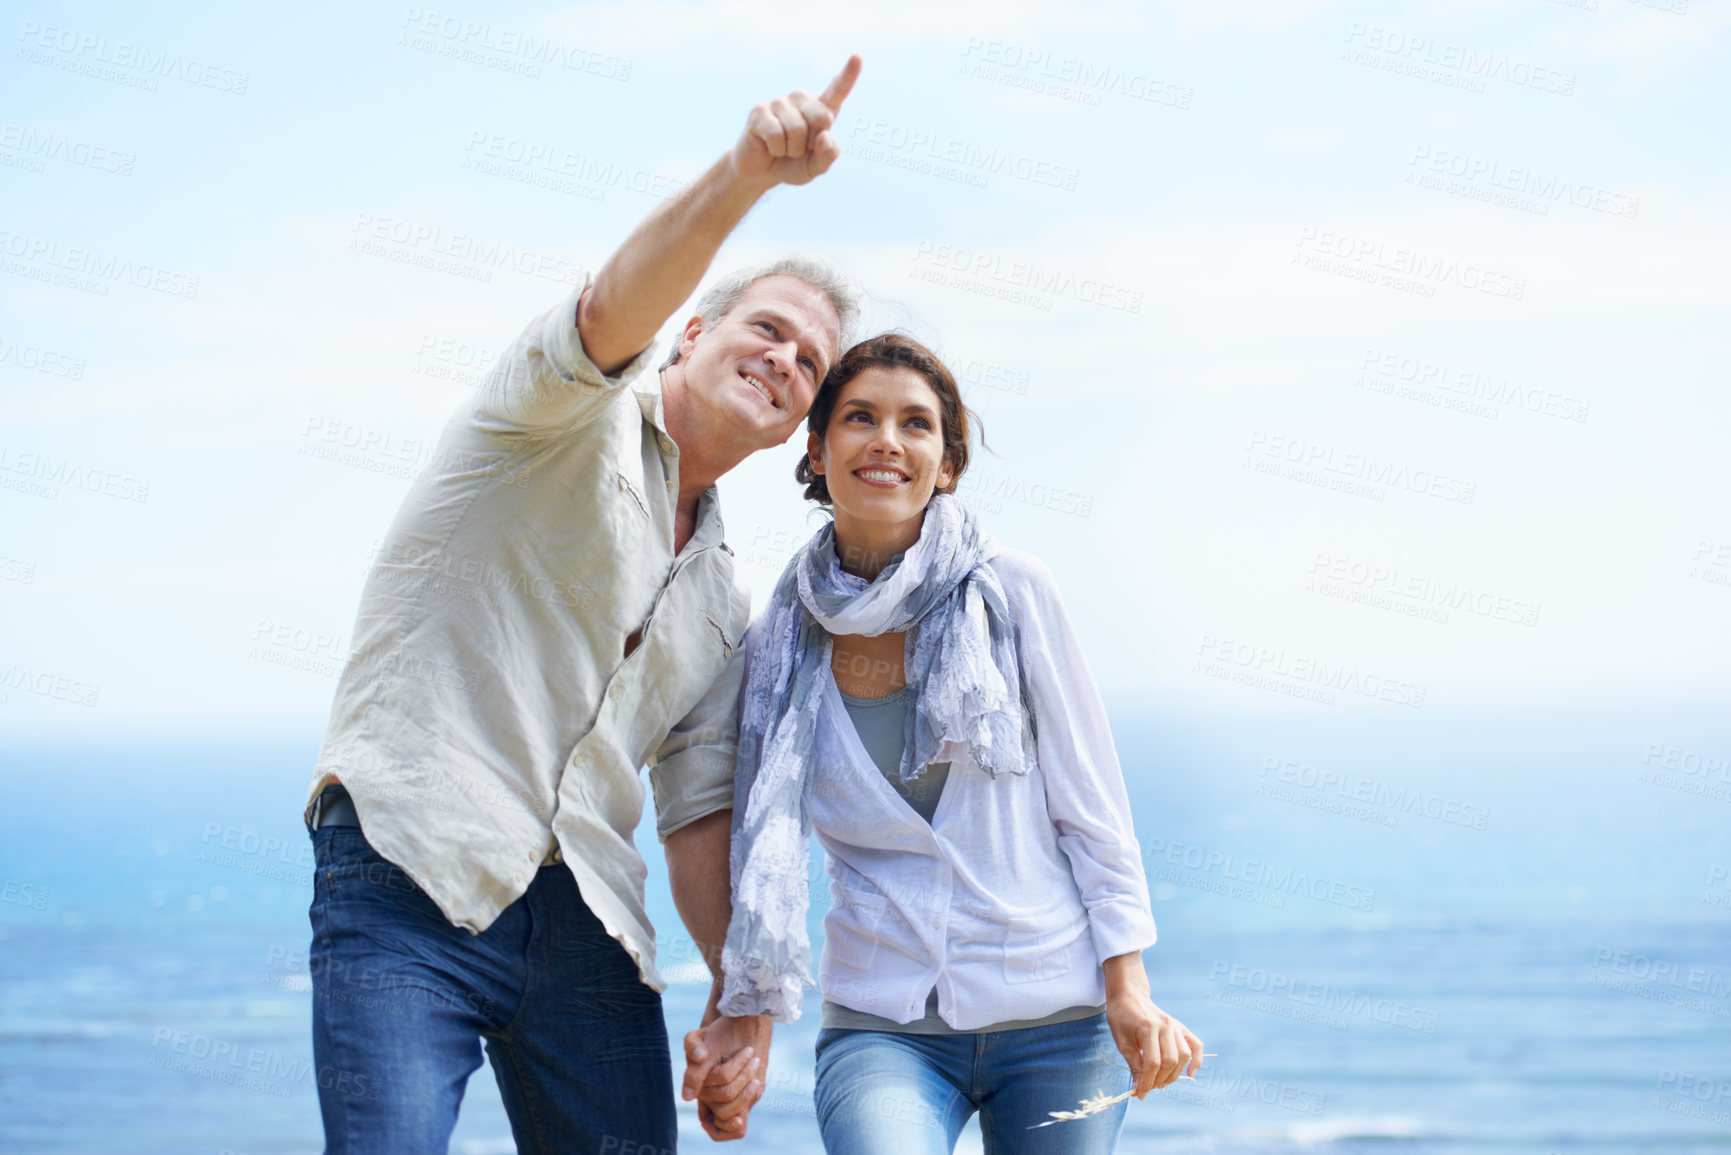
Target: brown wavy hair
{"points": [[891, 351]]}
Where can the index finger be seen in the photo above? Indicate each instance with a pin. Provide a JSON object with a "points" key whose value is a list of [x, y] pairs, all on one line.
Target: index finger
{"points": [[842, 84], [1145, 1074], [696, 1071]]}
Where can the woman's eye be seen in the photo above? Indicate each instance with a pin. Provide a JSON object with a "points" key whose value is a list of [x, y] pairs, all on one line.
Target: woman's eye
{"points": [[920, 422]]}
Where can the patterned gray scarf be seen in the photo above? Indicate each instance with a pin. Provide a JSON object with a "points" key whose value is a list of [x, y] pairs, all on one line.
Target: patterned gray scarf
{"points": [[961, 667]]}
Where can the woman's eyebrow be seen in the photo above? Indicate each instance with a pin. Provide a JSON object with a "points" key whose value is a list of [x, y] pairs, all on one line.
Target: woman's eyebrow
{"points": [[916, 409]]}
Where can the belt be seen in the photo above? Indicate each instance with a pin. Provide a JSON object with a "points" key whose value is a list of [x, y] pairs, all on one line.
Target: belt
{"points": [[335, 808]]}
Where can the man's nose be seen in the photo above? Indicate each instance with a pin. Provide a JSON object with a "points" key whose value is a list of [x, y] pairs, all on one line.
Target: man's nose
{"points": [[782, 358]]}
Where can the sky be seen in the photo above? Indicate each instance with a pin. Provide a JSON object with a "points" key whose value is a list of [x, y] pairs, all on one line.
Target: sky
{"points": [[1341, 360]]}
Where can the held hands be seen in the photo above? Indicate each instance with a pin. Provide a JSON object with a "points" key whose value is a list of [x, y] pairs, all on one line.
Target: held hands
{"points": [[1157, 1046], [724, 1066], [788, 140]]}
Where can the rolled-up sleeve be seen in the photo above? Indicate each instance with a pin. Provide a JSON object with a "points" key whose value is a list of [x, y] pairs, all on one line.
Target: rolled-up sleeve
{"points": [[547, 380], [1085, 794], [692, 771]]}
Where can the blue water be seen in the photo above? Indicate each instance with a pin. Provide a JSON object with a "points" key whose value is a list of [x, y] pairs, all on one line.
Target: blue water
{"points": [[1558, 979]]}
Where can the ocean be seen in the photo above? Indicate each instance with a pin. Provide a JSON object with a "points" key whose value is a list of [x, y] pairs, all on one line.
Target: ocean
{"points": [[1509, 933]]}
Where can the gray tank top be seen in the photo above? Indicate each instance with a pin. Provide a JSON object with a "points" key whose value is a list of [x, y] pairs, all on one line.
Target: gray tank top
{"points": [[880, 723]]}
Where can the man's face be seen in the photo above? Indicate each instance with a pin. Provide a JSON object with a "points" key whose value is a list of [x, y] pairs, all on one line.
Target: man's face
{"points": [[750, 378]]}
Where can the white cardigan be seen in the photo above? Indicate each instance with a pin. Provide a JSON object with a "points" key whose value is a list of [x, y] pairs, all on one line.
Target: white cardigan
{"points": [[1010, 898]]}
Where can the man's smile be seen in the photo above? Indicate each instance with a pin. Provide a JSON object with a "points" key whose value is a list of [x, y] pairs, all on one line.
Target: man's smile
{"points": [[758, 383]]}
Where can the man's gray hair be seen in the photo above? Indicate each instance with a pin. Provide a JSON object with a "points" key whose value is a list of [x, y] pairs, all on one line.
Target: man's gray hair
{"points": [[720, 298]]}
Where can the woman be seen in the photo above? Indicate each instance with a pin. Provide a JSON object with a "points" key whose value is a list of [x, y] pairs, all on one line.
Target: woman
{"points": [[916, 695]]}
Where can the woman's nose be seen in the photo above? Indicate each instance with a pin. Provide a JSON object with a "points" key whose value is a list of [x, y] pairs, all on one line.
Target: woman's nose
{"points": [[886, 439]]}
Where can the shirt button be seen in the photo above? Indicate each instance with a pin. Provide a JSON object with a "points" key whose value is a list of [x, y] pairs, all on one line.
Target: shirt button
{"points": [[613, 690], [666, 443]]}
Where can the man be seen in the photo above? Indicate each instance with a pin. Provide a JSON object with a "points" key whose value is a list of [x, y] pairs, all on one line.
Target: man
{"points": [[554, 607]]}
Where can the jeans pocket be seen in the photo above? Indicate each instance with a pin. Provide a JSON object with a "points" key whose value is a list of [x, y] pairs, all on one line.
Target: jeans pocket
{"points": [[349, 868]]}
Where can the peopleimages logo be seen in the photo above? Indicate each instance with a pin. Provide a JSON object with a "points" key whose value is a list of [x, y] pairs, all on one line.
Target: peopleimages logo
{"points": [[1375, 794], [45, 146], [1661, 980], [39, 360], [103, 267], [1066, 77], [987, 268], [927, 146], [133, 64], [414, 243], [1519, 180], [1257, 872], [1356, 473], [1404, 265], [1274, 668], [504, 49], [1427, 58], [1420, 595], [1325, 998]]}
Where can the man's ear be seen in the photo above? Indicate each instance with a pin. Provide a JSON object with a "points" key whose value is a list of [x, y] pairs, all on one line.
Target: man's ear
{"points": [[814, 450], [688, 339]]}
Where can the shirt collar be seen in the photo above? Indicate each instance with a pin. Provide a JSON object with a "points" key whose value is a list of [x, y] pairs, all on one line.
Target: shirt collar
{"points": [[649, 400], [710, 530]]}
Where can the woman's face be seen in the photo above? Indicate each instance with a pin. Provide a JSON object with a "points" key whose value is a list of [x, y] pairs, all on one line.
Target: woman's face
{"points": [[883, 453]]}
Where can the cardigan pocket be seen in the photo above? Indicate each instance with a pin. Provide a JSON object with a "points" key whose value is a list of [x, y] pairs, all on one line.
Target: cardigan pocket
{"points": [[851, 932], [1031, 957]]}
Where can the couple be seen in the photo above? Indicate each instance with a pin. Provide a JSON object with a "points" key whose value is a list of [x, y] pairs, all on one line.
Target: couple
{"points": [[554, 607]]}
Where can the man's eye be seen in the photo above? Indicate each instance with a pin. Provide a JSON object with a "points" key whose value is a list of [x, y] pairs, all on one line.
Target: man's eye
{"points": [[810, 366]]}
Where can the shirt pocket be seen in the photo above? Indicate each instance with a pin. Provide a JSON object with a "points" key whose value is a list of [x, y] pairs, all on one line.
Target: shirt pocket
{"points": [[630, 495], [727, 643], [684, 650]]}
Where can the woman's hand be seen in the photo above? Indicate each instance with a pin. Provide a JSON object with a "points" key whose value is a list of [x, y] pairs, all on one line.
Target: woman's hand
{"points": [[725, 1065], [1157, 1046]]}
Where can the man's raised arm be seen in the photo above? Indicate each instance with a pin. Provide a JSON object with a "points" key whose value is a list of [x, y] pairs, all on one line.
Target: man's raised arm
{"points": [[786, 141]]}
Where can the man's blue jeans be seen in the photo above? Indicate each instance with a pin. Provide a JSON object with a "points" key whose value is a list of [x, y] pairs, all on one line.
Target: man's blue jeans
{"points": [[402, 1000], [891, 1094]]}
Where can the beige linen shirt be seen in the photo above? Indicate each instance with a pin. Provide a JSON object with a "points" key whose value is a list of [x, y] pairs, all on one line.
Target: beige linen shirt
{"points": [[488, 712]]}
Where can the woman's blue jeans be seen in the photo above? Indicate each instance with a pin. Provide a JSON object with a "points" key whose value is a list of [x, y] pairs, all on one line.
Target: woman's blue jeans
{"points": [[402, 1000], [891, 1094]]}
